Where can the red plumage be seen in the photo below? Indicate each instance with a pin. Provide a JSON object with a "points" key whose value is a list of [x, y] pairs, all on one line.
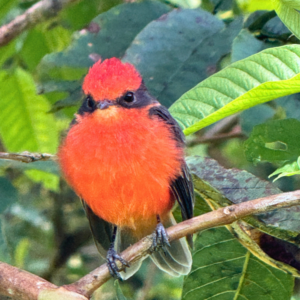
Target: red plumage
{"points": [[110, 79], [124, 156], [122, 168]]}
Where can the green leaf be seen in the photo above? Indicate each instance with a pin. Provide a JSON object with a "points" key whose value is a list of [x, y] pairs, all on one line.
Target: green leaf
{"points": [[244, 45], [254, 116], [274, 141], [119, 292], [222, 187], [8, 194], [287, 10], [223, 269], [49, 181], [5, 6], [25, 124], [43, 40], [174, 52], [257, 79], [21, 252], [46, 166], [108, 35], [288, 169], [4, 251]]}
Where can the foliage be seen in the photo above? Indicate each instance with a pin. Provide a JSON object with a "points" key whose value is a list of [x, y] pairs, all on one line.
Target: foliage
{"points": [[206, 61]]}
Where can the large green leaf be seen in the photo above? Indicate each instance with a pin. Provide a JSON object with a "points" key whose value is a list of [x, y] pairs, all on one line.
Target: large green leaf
{"points": [[274, 141], [25, 124], [224, 270], [287, 10], [257, 79], [108, 35], [174, 52], [223, 187]]}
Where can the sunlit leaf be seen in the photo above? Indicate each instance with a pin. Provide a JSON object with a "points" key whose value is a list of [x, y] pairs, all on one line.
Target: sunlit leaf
{"points": [[25, 124], [287, 10], [288, 169], [257, 79]]}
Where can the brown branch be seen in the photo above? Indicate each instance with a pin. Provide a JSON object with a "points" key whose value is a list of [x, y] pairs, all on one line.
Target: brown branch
{"points": [[24, 286], [39, 12], [89, 283], [21, 284], [26, 156]]}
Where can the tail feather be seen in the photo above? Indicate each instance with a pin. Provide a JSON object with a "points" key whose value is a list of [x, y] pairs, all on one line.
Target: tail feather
{"points": [[124, 239], [178, 259]]}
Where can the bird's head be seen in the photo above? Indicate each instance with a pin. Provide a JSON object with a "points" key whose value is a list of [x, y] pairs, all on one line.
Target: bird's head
{"points": [[111, 86]]}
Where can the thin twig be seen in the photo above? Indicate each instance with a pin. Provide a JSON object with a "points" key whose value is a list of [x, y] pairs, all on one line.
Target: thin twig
{"points": [[39, 12], [26, 157], [216, 138]]}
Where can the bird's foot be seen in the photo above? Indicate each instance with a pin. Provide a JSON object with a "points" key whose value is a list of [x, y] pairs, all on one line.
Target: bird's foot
{"points": [[160, 239], [112, 257]]}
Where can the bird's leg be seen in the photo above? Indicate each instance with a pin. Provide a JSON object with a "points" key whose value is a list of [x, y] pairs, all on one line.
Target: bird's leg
{"points": [[112, 256], [160, 237]]}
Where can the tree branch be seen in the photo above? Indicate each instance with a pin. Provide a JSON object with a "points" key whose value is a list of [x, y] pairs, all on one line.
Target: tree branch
{"points": [[24, 286], [26, 156], [39, 12], [223, 216]]}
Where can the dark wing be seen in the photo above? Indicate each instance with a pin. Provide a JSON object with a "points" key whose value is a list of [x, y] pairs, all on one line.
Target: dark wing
{"points": [[102, 231], [182, 186]]}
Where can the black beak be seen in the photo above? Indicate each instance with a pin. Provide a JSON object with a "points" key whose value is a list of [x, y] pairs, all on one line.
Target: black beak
{"points": [[104, 104]]}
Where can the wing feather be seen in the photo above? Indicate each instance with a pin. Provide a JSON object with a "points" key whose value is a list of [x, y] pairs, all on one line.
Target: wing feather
{"points": [[182, 186]]}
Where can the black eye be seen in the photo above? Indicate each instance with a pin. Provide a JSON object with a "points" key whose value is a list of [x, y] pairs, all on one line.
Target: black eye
{"points": [[90, 102], [129, 97]]}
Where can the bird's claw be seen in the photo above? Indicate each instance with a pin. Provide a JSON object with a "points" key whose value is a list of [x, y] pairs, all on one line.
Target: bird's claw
{"points": [[112, 257], [160, 239]]}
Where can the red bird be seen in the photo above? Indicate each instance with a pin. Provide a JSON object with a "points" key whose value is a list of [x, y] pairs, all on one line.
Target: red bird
{"points": [[124, 156]]}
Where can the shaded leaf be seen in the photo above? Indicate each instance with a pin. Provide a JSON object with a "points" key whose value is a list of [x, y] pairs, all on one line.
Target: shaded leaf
{"points": [[257, 79], [108, 35], [163, 52], [274, 141], [223, 269], [254, 116], [244, 45], [275, 28], [119, 292], [4, 251], [223, 187], [8, 194]]}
